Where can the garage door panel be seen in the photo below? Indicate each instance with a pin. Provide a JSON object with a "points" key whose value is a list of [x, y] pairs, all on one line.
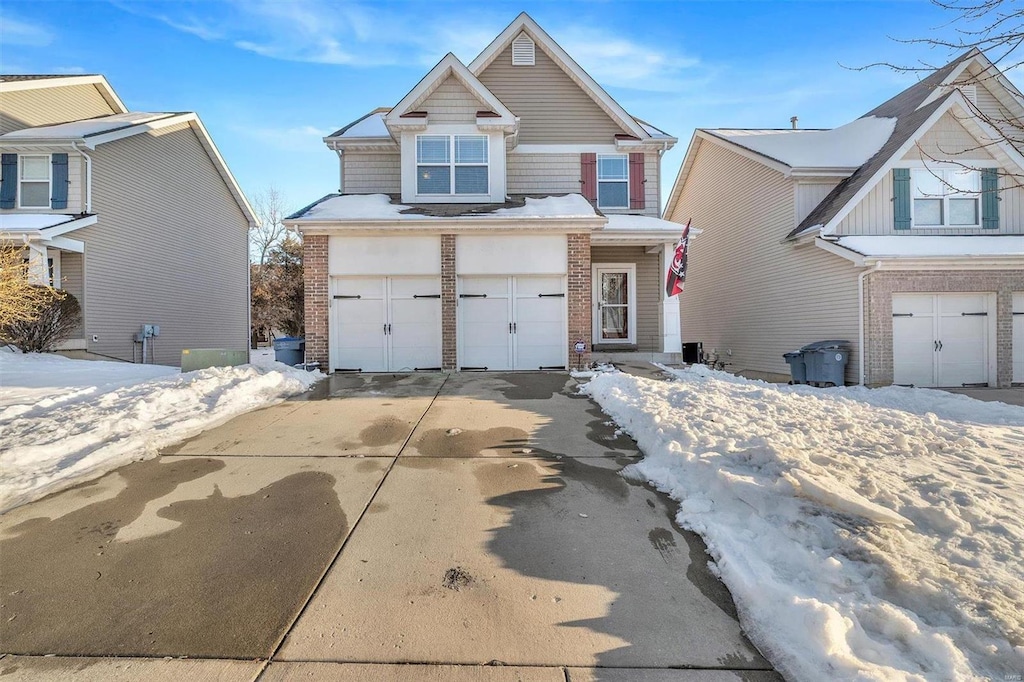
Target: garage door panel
{"points": [[492, 287], [415, 333], [540, 332], [915, 304], [941, 339], [485, 333], [411, 287], [527, 287], [358, 286], [359, 335], [913, 350], [957, 304]]}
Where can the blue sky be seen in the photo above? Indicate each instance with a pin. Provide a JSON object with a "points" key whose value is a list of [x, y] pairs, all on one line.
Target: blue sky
{"points": [[271, 78]]}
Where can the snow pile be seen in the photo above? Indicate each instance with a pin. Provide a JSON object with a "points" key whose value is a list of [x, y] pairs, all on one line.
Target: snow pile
{"points": [[848, 146], [55, 433], [371, 125], [379, 207], [925, 246], [867, 534], [567, 206], [90, 126]]}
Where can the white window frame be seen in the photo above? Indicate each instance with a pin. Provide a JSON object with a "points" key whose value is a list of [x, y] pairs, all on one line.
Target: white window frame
{"points": [[945, 197], [617, 180], [49, 179], [453, 164]]}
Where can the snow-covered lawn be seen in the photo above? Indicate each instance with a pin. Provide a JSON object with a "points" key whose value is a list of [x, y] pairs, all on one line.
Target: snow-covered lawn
{"points": [[65, 421], [865, 534]]}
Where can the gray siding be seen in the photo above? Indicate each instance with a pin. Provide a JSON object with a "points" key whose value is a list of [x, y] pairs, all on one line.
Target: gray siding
{"points": [[809, 195], [450, 102], [372, 172], [552, 108], [72, 277], [170, 248], [648, 289], [746, 290], [44, 106]]}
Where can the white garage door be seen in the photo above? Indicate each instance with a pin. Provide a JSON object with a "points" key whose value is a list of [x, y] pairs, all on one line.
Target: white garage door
{"points": [[1018, 337], [940, 339], [386, 324], [512, 323]]}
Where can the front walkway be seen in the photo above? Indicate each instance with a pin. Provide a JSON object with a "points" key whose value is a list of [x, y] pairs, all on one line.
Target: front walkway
{"points": [[473, 525]]}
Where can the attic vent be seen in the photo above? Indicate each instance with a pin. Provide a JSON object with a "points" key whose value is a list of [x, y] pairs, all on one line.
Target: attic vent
{"points": [[970, 92], [522, 51]]}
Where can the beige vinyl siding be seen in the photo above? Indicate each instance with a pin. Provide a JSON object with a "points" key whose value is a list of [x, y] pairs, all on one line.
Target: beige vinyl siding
{"points": [[450, 102], [170, 248], [372, 172], [809, 195], [947, 140], [874, 214], [748, 291], [552, 108], [44, 106], [76, 178], [648, 289], [72, 281]]}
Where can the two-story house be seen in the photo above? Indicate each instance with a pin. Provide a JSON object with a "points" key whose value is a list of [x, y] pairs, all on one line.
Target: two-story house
{"points": [[134, 213], [901, 232], [498, 215]]}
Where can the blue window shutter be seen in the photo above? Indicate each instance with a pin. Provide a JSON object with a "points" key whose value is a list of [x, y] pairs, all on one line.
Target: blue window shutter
{"points": [[59, 188], [901, 198], [8, 180], [990, 198]]}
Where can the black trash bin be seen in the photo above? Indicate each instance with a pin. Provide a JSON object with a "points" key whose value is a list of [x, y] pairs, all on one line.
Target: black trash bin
{"points": [[825, 362], [290, 350], [797, 368]]}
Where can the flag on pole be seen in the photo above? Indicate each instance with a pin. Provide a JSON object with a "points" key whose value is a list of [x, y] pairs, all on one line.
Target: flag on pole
{"points": [[677, 270]]}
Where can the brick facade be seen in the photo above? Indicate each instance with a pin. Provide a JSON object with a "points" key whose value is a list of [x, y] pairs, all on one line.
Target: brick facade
{"points": [[879, 288], [579, 296], [449, 303], [317, 298]]}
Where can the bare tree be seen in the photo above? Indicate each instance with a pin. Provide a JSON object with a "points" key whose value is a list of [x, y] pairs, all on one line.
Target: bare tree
{"points": [[269, 206], [275, 269]]}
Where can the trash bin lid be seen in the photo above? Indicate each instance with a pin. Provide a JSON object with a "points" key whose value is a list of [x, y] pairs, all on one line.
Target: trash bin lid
{"points": [[827, 345], [794, 354]]}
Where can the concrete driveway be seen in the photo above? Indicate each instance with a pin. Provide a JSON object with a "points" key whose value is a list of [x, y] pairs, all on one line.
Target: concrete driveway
{"points": [[392, 527]]}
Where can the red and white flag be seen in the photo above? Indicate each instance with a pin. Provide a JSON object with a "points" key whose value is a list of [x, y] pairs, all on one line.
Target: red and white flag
{"points": [[677, 270]]}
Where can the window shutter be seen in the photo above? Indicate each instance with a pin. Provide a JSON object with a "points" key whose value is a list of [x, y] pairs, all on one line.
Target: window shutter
{"points": [[8, 180], [59, 191], [901, 198], [636, 180], [588, 176], [990, 198]]}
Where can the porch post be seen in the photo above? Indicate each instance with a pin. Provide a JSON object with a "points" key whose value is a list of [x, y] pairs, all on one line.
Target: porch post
{"points": [[38, 267], [671, 332]]}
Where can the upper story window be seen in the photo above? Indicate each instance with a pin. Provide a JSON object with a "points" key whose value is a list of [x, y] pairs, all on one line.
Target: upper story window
{"points": [[948, 197], [451, 164], [613, 181], [33, 181]]}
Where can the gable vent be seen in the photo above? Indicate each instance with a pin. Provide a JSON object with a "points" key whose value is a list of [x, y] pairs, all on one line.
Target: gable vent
{"points": [[522, 51], [970, 92]]}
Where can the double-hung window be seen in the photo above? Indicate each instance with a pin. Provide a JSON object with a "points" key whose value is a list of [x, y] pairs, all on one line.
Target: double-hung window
{"points": [[34, 181], [451, 164], [612, 181], [946, 197]]}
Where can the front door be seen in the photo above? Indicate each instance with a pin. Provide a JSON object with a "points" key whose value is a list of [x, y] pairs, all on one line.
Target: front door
{"points": [[615, 303]]}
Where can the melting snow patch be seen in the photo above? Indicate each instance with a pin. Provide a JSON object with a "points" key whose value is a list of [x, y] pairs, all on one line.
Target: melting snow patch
{"points": [[864, 534]]}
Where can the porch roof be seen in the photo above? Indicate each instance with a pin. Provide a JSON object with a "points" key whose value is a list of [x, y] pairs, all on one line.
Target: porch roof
{"points": [[44, 227], [638, 229]]}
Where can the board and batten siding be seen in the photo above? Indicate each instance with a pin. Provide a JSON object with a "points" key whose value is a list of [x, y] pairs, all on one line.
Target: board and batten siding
{"points": [[45, 106], [551, 107], [531, 173], [648, 290], [372, 173], [873, 215], [76, 178], [169, 248], [450, 102], [72, 281], [748, 291]]}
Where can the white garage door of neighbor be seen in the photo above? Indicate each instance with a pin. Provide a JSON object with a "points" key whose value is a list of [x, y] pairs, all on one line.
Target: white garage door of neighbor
{"points": [[1018, 337], [512, 323], [940, 339], [386, 324]]}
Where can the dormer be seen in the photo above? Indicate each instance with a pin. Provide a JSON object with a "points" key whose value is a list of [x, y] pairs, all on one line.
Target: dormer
{"points": [[451, 131]]}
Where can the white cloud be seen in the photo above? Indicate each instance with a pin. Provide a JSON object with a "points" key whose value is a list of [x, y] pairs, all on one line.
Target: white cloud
{"points": [[294, 138], [619, 62], [17, 32]]}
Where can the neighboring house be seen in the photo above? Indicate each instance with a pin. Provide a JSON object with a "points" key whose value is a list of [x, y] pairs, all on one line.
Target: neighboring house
{"points": [[134, 213], [901, 232], [498, 214]]}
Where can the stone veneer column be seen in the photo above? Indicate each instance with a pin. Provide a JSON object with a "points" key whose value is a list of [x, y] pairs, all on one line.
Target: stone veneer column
{"points": [[316, 298], [579, 295], [448, 303]]}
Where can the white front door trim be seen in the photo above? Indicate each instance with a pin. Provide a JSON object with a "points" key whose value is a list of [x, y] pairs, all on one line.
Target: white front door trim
{"points": [[598, 304]]}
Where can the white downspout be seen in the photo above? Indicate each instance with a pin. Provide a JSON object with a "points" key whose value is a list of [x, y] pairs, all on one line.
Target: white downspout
{"points": [[341, 170], [88, 176], [860, 333]]}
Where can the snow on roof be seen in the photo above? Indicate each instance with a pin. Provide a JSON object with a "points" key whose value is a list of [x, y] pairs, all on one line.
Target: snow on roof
{"points": [[654, 132], [371, 125], [848, 146], [642, 223], [380, 207], [76, 130], [20, 222], [567, 206], [910, 246]]}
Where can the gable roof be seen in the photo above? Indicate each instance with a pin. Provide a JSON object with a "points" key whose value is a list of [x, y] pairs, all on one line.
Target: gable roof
{"points": [[14, 83], [525, 24]]}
